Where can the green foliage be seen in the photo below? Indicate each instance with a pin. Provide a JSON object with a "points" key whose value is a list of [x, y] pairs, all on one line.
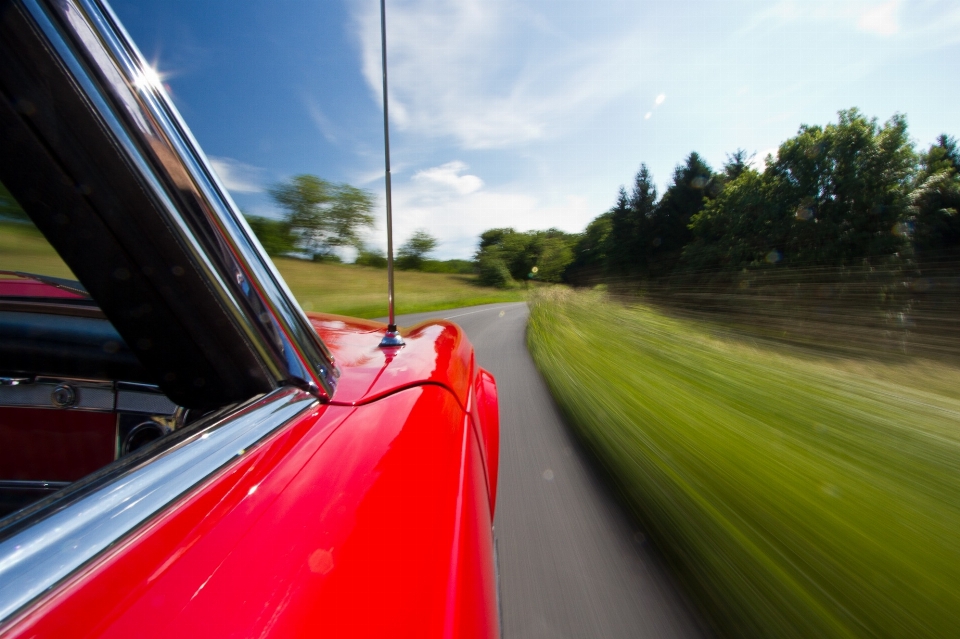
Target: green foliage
{"points": [[590, 251], [276, 236], [322, 215], [693, 184], [493, 272], [374, 258], [630, 240], [550, 252], [454, 267], [414, 251], [737, 162], [849, 193], [834, 196], [936, 203]]}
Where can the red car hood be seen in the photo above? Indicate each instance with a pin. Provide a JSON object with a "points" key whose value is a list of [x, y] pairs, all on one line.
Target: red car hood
{"points": [[436, 352]]}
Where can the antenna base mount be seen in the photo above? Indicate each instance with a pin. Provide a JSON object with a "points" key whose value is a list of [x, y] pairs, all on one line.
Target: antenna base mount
{"points": [[391, 338]]}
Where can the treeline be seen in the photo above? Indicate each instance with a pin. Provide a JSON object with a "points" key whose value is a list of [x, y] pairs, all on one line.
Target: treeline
{"points": [[321, 217], [852, 193]]}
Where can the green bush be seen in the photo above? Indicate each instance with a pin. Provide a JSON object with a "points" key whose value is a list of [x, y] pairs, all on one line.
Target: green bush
{"points": [[493, 272]]}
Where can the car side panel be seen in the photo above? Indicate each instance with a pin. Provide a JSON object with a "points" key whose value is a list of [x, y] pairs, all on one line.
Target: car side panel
{"points": [[346, 523], [485, 413], [475, 589]]}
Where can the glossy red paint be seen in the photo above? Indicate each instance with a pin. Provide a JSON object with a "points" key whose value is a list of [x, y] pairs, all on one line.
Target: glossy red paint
{"points": [[54, 445], [435, 352], [485, 413], [32, 288], [354, 521]]}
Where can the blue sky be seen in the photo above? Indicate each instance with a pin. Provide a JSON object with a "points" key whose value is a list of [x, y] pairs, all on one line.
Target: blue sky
{"points": [[531, 113]]}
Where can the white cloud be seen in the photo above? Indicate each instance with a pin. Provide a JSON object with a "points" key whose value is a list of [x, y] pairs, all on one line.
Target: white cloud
{"points": [[882, 19], [871, 16], [237, 176], [482, 72], [759, 160], [457, 218], [646, 116], [660, 99], [448, 175]]}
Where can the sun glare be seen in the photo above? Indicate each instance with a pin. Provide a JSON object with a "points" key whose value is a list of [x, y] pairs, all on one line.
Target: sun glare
{"points": [[149, 78]]}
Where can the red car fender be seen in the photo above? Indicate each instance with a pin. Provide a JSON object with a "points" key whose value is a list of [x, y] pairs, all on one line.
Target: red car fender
{"points": [[365, 521], [485, 414]]}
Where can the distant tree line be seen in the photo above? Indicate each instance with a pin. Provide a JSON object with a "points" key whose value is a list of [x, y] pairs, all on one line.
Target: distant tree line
{"points": [[322, 217], [852, 193], [506, 256]]}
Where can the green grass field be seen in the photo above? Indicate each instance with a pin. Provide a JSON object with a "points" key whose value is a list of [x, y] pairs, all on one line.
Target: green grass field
{"points": [[797, 495], [362, 292], [330, 288]]}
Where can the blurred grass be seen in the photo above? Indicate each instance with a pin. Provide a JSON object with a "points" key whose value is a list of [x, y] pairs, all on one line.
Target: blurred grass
{"points": [[361, 291], [796, 495], [330, 288], [23, 248]]}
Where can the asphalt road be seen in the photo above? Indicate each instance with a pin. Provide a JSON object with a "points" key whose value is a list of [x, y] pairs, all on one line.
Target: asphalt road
{"points": [[572, 563]]}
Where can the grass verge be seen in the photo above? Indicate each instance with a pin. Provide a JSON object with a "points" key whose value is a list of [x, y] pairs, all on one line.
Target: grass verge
{"points": [[795, 495]]}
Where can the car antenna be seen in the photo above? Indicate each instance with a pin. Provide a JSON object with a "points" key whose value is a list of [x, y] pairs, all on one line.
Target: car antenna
{"points": [[392, 336]]}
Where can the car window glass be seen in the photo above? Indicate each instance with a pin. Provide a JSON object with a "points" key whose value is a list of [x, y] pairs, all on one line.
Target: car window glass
{"points": [[57, 351], [22, 247]]}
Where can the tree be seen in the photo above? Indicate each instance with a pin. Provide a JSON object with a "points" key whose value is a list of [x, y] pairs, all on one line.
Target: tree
{"points": [[322, 215], [590, 251], [630, 241], [415, 250], [493, 272], [275, 236], [374, 258], [737, 162], [550, 251], [834, 196], [693, 182], [935, 218]]}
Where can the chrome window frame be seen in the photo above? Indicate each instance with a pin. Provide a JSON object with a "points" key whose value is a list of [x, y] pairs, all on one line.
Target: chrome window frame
{"points": [[118, 83], [46, 543]]}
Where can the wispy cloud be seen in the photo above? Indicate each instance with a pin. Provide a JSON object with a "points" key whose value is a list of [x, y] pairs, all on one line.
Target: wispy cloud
{"points": [[878, 17], [490, 74], [237, 176], [323, 123], [660, 99], [448, 175], [882, 19]]}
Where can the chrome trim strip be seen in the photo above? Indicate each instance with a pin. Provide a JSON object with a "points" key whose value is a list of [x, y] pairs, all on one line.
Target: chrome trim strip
{"points": [[153, 136], [89, 396], [37, 557], [32, 483], [39, 394]]}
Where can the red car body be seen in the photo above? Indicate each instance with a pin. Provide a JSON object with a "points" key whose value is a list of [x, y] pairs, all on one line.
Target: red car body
{"points": [[370, 516], [306, 482]]}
